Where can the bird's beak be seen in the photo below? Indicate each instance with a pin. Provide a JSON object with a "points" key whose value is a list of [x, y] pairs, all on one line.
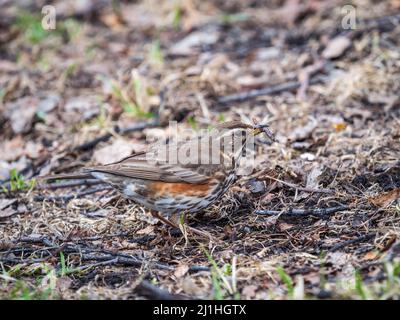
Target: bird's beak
{"points": [[257, 131], [264, 129]]}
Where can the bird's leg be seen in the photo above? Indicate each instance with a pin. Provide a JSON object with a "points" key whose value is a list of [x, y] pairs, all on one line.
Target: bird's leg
{"points": [[157, 215], [176, 225], [180, 218]]}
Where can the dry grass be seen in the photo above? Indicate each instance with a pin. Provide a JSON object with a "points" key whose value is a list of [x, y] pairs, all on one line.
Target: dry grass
{"points": [[101, 246]]}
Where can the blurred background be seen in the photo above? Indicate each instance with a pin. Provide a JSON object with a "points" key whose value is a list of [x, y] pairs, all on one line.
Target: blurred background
{"points": [[117, 63], [324, 74]]}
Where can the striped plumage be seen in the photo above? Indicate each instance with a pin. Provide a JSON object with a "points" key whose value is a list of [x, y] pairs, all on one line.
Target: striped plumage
{"points": [[187, 184]]}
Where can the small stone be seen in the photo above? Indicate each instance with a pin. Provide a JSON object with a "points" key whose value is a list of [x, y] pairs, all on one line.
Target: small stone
{"points": [[308, 156]]}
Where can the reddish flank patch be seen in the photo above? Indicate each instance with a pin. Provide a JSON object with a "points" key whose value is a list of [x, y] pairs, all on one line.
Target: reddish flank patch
{"points": [[176, 188]]}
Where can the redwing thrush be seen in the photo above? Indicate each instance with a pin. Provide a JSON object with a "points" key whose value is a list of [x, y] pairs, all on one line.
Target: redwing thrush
{"points": [[169, 180]]}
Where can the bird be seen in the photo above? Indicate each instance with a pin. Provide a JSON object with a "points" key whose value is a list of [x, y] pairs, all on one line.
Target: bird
{"points": [[187, 175]]}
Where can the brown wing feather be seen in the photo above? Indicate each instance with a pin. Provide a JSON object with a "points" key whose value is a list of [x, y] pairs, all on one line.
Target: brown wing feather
{"points": [[142, 169], [152, 166], [73, 176], [138, 166]]}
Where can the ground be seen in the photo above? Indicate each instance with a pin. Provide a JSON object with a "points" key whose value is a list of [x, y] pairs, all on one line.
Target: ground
{"points": [[108, 77]]}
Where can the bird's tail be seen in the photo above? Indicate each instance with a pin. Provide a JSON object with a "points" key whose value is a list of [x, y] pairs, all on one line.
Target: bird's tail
{"points": [[72, 176]]}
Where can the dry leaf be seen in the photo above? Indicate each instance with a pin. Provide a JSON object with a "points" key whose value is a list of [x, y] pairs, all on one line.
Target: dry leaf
{"points": [[147, 230], [49, 102], [256, 186], [249, 291], [304, 78], [302, 133], [101, 213], [63, 284], [195, 39], [4, 203], [12, 149], [21, 113], [74, 8], [181, 270], [269, 196], [267, 53], [336, 47], [271, 221], [337, 258], [372, 255], [250, 82], [313, 177], [229, 231], [112, 21], [386, 198], [290, 11], [283, 226], [139, 18], [32, 149], [5, 168], [82, 107], [8, 212], [395, 4]]}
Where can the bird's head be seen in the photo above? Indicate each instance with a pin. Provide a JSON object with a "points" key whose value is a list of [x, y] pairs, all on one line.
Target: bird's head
{"points": [[232, 127], [234, 137]]}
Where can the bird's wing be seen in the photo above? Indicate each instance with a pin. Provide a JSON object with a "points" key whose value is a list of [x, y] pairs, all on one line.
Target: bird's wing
{"points": [[141, 167]]}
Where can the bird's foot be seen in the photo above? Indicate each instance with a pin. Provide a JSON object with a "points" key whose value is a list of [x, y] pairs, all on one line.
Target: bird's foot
{"points": [[173, 222]]}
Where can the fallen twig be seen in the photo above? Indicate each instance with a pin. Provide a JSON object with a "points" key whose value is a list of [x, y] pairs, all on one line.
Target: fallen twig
{"points": [[86, 253], [39, 239], [270, 90], [101, 256], [69, 197], [362, 238], [114, 259], [15, 261], [303, 212], [69, 184], [198, 268], [96, 264], [305, 75]]}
